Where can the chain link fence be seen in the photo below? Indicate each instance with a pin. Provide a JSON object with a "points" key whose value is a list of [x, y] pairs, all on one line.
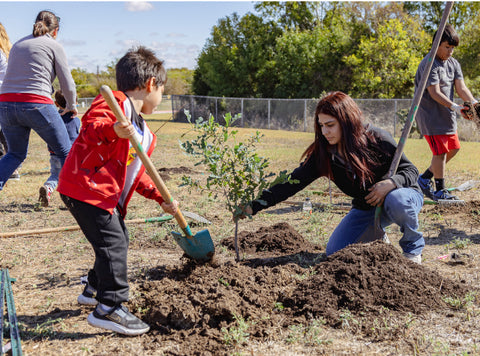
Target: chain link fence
{"points": [[289, 114]]}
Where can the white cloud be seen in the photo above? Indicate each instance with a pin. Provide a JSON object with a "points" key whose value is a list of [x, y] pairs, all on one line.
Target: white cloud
{"points": [[72, 43], [176, 35], [176, 55], [135, 6]]}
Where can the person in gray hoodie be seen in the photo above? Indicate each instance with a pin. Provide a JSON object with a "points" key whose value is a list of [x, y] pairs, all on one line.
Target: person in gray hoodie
{"points": [[26, 94]]}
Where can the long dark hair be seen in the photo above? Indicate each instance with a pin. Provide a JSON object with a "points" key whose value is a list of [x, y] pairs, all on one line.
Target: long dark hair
{"points": [[46, 22], [355, 138]]}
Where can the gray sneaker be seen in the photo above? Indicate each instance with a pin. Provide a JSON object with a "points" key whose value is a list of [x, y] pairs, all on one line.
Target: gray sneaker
{"points": [[118, 319]]}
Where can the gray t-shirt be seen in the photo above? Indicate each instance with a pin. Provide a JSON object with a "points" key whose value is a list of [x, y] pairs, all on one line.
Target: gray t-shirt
{"points": [[432, 117], [33, 64]]}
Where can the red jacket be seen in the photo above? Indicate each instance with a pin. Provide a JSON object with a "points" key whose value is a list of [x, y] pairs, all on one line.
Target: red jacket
{"points": [[95, 169]]}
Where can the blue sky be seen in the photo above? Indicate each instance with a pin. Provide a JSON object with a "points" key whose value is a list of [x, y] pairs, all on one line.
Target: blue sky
{"points": [[98, 33]]}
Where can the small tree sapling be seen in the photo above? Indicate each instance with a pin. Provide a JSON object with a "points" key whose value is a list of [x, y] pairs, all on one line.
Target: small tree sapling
{"points": [[235, 170]]}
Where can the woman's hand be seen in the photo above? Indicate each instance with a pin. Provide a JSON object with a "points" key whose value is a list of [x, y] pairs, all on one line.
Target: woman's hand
{"points": [[247, 210], [379, 191], [170, 208]]}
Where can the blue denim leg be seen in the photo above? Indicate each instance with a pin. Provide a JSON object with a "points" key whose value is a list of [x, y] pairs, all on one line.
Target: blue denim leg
{"points": [[73, 127], [402, 206], [17, 119], [55, 168], [350, 229], [18, 136]]}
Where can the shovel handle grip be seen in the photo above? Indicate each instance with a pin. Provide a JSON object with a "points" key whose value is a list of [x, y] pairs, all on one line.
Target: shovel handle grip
{"points": [[152, 172]]}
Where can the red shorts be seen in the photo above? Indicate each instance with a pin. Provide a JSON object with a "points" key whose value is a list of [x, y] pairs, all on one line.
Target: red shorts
{"points": [[440, 144]]}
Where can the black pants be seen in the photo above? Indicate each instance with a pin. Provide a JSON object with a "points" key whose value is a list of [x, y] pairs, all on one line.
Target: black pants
{"points": [[108, 236]]}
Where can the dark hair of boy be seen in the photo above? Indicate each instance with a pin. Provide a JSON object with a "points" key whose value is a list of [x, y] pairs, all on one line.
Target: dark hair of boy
{"points": [[449, 35], [60, 99], [136, 67]]}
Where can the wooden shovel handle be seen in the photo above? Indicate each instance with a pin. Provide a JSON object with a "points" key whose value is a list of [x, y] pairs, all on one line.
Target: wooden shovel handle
{"points": [[152, 172]]}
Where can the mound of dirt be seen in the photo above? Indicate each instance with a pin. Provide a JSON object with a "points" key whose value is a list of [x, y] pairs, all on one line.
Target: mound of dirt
{"points": [[280, 238], [192, 307], [365, 277]]}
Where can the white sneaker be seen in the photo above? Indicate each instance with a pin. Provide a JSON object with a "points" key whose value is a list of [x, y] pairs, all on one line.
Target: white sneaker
{"points": [[118, 319], [386, 239], [413, 258]]}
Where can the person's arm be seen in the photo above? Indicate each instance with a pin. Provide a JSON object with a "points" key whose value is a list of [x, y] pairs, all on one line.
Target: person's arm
{"points": [[438, 96], [463, 92], [67, 84], [442, 99], [305, 174]]}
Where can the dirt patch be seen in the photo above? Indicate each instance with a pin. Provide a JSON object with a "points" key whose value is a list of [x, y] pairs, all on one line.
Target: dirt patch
{"points": [[278, 238], [196, 306], [166, 172]]}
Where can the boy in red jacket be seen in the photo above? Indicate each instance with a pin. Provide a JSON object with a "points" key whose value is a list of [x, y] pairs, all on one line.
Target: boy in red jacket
{"points": [[99, 177]]}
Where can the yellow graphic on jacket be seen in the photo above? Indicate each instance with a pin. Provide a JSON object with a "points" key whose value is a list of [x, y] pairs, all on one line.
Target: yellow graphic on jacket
{"points": [[132, 154]]}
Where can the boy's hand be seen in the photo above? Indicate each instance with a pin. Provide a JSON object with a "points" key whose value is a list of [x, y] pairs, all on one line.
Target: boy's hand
{"points": [[124, 130], [170, 208], [458, 109]]}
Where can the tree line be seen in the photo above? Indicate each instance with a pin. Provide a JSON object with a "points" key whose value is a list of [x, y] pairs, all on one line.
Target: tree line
{"points": [[296, 49], [88, 84], [303, 49]]}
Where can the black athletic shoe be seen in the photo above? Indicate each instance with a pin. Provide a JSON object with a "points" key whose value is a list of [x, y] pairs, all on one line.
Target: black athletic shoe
{"points": [[427, 187], [120, 320], [444, 194]]}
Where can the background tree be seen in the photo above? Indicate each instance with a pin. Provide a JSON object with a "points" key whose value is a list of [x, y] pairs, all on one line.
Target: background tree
{"points": [[229, 62], [430, 13], [385, 63], [179, 81], [301, 50]]}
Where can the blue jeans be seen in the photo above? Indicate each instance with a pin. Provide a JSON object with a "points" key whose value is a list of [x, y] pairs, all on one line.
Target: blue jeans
{"points": [[401, 206], [72, 124], [17, 120]]}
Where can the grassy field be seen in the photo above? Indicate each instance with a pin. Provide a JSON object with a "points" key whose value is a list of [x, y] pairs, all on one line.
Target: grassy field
{"points": [[48, 267]]}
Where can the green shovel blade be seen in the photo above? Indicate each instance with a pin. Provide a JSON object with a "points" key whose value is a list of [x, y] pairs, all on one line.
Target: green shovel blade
{"points": [[199, 246]]}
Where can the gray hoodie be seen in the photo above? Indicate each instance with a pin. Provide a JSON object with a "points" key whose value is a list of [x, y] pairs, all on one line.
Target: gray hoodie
{"points": [[33, 64]]}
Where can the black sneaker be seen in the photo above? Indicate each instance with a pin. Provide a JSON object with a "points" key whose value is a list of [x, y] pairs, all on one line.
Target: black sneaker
{"points": [[120, 320], [427, 187], [88, 295], [444, 194]]}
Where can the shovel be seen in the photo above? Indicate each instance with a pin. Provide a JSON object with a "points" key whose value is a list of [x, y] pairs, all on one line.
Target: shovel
{"points": [[199, 246]]}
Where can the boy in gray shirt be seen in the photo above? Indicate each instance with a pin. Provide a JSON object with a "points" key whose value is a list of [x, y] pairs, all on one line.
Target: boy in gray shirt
{"points": [[436, 116]]}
